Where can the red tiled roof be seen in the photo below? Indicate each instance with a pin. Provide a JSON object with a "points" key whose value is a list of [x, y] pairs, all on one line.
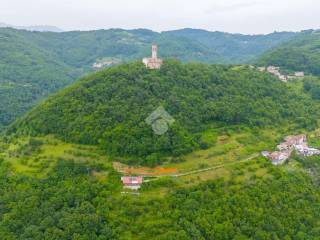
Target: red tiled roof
{"points": [[131, 180]]}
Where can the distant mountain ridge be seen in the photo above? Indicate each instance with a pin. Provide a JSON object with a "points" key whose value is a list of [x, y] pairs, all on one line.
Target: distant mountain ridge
{"points": [[235, 48], [38, 28], [301, 53]]}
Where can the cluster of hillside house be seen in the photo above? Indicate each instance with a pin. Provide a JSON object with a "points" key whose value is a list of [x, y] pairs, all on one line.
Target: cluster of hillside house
{"points": [[276, 71], [285, 149], [107, 62]]}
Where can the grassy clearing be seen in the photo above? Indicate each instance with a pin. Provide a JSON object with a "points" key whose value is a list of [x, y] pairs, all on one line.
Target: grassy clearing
{"points": [[228, 154], [229, 148], [37, 156], [237, 173]]}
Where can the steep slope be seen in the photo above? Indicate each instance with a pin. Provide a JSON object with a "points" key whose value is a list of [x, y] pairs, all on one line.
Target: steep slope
{"points": [[302, 53], [27, 74], [110, 108], [235, 48]]}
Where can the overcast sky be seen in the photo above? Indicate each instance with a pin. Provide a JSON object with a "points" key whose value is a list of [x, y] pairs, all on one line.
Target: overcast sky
{"points": [[241, 16]]}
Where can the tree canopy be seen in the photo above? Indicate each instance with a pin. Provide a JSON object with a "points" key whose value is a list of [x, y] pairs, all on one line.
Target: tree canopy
{"points": [[110, 107]]}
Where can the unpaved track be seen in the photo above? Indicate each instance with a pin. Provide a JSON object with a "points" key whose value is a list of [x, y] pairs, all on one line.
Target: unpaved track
{"points": [[206, 169]]}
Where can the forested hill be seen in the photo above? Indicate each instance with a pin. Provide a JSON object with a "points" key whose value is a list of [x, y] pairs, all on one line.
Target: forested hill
{"points": [[109, 108], [302, 53], [28, 72], [34, 64]]}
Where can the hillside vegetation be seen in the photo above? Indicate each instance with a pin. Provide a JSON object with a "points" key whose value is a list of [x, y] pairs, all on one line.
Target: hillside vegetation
{"points": [[28, 73], [302, 53], [35, 64], [109, 108], [70, 203], [235, 48]]}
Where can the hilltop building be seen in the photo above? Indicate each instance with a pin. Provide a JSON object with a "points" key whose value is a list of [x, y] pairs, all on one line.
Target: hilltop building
{"points": [[154, 62]]}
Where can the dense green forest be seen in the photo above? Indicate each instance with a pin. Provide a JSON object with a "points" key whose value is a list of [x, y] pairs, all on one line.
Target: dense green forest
{"points": [[235, 48], [302, 53], [312, 86], [27, 73], [109, 108], [35, 64], [71, 204]]}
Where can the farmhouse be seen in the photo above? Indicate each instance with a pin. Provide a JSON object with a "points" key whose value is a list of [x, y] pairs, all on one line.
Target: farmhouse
{"points": [[132, 182], [299, 74], [292, 141], [154, 62], [277, 158], [306, 151], [273, 70], [261, 69]]}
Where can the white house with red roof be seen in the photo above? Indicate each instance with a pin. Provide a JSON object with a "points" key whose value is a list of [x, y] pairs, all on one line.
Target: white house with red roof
{"points": [[132, 182]]}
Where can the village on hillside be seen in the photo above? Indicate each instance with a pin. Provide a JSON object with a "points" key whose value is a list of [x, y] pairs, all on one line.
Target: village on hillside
{"points": [[276, 72], [152, 62], [291, 143]]}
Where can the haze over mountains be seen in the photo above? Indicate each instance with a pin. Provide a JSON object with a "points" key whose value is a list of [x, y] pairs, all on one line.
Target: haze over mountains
{"points": [[38, 28]]}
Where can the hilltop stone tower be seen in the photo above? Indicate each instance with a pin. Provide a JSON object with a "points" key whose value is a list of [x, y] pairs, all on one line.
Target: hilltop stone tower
{"points": [[154, 51], [154, 62]]}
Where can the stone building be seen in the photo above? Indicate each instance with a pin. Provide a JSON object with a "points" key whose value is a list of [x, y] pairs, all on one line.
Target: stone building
{"points": [[154, 62]]}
